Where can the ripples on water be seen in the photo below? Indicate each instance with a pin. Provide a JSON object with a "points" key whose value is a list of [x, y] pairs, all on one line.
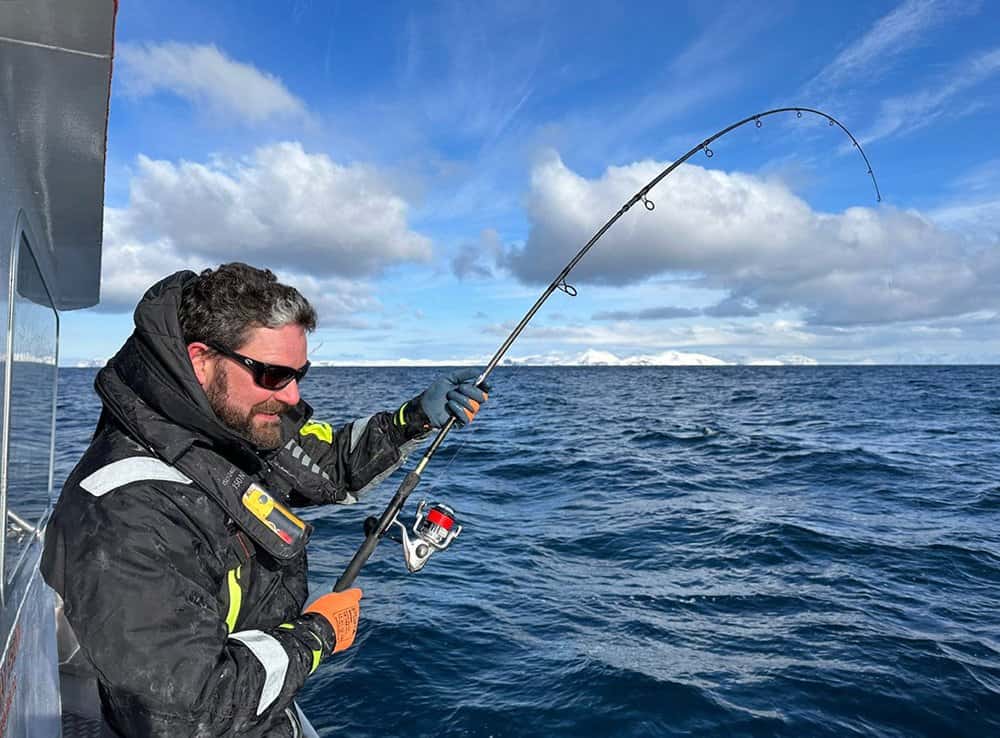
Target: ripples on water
{"points": [[676, 551]]}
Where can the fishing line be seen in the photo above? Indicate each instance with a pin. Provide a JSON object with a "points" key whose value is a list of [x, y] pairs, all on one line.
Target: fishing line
{"points": [[389, 517]]}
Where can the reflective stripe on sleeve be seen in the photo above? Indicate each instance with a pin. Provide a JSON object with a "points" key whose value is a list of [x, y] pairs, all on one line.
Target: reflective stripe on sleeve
{"points": [[273, 657], [235, 598], [358, 428], [134, 469]]}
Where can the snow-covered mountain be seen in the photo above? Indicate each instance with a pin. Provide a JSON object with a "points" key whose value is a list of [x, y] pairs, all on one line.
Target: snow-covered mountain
{"points": [[590, 357], [596, 357], [798, 360]]}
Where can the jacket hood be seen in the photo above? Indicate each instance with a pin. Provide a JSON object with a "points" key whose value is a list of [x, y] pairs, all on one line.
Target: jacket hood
{"points": [[150, 380]]}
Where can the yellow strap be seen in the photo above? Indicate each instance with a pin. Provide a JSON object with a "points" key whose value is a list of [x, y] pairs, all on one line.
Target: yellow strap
{"points": [[235, 598], [317, 655], [322, 431]]}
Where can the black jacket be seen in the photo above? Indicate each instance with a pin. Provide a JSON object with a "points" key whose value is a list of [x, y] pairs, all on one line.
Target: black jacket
{"points": [[188, 605]]}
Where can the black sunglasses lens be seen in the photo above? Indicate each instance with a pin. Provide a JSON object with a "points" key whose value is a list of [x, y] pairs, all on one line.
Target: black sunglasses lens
{"points": [[275, 377]]}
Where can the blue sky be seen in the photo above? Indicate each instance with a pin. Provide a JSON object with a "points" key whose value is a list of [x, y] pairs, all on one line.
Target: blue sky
{"points": [[422, 170]]}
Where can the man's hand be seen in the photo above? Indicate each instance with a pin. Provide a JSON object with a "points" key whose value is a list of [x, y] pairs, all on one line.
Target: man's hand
{"points": [[455, 395], [342, 610]]}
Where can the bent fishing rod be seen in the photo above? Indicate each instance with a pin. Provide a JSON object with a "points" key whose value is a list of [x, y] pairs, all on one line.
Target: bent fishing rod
{"points": [[436, 529]]}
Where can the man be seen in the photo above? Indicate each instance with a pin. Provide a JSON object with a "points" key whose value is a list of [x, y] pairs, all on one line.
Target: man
{"points": [[182, 570]]}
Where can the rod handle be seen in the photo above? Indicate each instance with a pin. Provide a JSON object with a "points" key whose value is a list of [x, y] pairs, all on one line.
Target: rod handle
{"points": [[410, 481]]}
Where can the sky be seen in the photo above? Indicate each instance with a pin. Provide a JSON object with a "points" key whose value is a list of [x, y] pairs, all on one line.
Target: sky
{"points": [[422, 171]]}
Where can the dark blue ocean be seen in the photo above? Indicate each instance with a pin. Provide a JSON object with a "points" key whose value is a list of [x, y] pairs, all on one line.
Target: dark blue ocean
{"points": [[731, 551]]}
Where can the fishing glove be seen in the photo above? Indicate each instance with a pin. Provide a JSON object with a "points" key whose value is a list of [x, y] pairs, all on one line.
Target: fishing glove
{"points": [[341, 610], [455, 395]]}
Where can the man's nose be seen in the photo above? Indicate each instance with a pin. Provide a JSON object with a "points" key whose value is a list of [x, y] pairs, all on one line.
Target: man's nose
{"points": [[289, 394]]}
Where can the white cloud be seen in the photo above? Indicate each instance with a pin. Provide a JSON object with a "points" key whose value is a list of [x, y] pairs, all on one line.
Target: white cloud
{"points": [[291, 211], [757, 240], [206, 77], [340, 303], [474, 260], [130, 265], [295, 209]]}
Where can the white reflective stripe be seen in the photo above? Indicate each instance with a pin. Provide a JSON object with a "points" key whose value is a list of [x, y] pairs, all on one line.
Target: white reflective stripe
{"points": [[357, 430], [134, 469], [273, 657]]}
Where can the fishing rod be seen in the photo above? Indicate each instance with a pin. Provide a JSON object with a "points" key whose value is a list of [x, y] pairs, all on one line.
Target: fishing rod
{"points": [[436, 529]]}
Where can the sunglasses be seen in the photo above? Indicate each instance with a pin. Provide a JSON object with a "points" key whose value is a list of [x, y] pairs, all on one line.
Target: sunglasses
{"points": [[268, 376]]}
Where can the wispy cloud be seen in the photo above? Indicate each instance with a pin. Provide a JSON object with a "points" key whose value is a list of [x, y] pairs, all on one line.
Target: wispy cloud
{"points": [[780, 332], [477, 82], [205, 76], [665, 312], [785, 339], [979, 219], [730, 32], [974, 208], [911, 112], [983, 177], [893, 34]]}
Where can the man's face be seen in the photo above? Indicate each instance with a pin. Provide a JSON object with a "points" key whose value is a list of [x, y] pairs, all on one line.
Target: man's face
{"points": [[249, 409]]}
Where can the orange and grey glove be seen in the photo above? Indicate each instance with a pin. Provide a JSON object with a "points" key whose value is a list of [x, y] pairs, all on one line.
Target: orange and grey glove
{"points": [[341, 610], [455, 395]]}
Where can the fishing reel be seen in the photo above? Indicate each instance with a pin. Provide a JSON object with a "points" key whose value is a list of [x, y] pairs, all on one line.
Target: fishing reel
{"points": [[431, 531]]}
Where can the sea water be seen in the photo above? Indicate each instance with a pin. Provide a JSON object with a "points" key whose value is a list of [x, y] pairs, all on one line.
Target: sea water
{"points": [[670, 551]]}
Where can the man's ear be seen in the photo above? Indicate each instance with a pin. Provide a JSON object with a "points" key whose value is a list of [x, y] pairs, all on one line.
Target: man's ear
{"points": [[202, 362]]}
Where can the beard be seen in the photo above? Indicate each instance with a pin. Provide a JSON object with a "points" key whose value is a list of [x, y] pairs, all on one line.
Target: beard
{"points": [[264, 436]]}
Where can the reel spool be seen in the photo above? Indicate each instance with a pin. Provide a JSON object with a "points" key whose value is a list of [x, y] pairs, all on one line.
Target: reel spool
{"points": [[433, 530]]}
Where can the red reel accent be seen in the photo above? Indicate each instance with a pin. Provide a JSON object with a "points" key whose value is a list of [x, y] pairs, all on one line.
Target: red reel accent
{"points": [[439, 518]]}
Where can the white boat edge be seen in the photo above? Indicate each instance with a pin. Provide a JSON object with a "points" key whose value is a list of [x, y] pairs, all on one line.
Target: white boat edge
{"points": [[56, 59]]}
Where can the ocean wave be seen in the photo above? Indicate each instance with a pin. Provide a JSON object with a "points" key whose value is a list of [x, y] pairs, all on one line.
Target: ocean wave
{"points": [[823, 561]]}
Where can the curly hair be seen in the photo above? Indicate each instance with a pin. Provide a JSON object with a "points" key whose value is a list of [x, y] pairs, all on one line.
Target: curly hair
{"points": [[223, 305]]}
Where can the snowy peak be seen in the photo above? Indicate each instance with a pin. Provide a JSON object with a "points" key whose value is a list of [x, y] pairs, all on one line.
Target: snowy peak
{"points": [[590, 357], [596, 357], [593, 357]]}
